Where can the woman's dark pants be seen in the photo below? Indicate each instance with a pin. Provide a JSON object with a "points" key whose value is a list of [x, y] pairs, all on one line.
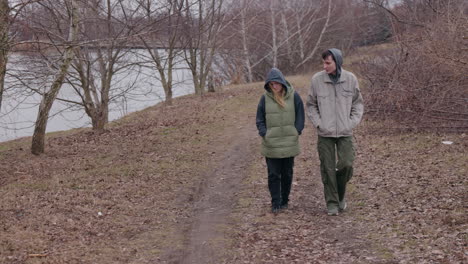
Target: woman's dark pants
{"points": [[280, 174]]}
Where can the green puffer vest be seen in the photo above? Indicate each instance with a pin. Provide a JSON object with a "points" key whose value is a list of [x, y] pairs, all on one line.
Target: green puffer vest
{"points": [[281, 139]]}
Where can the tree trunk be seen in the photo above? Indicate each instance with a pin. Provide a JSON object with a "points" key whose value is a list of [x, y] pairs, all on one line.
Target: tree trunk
{"points": [[4, 44], [101, 118], [286, 34], [48, 99], [245, 46], [194, 65], [300, 38], [168, 86], [210, 81], [46, 104], [274, 45]]}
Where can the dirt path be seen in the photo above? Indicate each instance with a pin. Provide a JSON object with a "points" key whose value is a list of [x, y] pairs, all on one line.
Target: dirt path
{"points": [[215, 201]]}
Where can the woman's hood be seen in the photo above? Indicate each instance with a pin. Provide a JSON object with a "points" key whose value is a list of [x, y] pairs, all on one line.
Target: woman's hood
{"points": [[275, 75]]}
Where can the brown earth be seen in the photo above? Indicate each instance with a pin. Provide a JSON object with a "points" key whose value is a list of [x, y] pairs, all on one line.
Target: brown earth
{"points": [[186, 184]]}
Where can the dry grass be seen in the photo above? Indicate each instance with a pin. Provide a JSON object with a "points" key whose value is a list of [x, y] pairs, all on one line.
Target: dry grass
{"points": [[407, 199], [117, 196]]}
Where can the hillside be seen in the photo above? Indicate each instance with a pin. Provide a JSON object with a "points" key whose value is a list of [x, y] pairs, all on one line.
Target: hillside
{"points": [[186, 184]]}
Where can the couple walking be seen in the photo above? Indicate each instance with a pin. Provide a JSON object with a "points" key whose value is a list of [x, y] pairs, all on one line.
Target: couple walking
{"points": [[334, 106]]}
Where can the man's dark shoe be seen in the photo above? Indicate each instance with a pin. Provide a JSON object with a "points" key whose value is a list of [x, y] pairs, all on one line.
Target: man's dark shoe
{"points": [[284, 206], [275, 209]]}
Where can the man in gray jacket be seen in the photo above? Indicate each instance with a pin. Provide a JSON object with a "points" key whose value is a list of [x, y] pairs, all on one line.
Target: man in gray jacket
{"points": [[335, 107]]}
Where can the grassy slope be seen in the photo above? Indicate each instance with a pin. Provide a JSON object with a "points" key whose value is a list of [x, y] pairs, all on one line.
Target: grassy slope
{"points": [[407, 199], [141, 174]]}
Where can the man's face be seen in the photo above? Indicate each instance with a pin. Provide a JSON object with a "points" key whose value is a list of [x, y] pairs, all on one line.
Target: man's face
{"points": [[329, 65]]}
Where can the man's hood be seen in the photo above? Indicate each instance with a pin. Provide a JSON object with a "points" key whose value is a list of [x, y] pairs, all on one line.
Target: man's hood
{"points": [[338, 57], [275, 75]]}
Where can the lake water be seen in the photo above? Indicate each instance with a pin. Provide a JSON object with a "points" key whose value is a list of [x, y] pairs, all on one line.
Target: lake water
{"points": [[134, 88]]}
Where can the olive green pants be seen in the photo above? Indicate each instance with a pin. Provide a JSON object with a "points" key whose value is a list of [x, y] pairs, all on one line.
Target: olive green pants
{"points": [[335, 175]]}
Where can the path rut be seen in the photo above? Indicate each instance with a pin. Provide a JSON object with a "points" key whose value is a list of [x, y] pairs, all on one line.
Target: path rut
{"points": [[205, 239]]}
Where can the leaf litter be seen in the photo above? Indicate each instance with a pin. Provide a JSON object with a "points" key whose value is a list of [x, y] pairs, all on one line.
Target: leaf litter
{"points": [[407, 199]]}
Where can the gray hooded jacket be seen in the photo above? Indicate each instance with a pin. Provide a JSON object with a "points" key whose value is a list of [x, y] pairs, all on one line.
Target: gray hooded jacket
{"points": [[335, 107]]}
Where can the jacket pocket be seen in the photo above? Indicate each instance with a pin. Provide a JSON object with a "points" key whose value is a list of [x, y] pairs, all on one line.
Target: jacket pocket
{"points": [[323, 131], [348, 127], [324, 105], [346, 91]]}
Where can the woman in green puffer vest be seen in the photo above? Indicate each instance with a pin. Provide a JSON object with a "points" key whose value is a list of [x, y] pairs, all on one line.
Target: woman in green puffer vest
{"points": [[280, 121]]}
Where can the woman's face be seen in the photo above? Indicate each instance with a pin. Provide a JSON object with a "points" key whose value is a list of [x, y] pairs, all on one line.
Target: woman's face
{"points": [[276, 87]]}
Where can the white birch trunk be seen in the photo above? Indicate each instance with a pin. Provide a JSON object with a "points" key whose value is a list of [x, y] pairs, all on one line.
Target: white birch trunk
{"points": [[286, 35], [274, 45], [300, 38], [245, 46]]}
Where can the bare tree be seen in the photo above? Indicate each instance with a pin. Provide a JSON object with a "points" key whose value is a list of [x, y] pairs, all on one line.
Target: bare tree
{"points": [[48, 99], [204, 23], [4, 43], [163, 34], [107, 31]]}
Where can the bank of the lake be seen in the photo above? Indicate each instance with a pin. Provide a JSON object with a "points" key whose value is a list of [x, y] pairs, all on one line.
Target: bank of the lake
{"points": [[133, 89]]}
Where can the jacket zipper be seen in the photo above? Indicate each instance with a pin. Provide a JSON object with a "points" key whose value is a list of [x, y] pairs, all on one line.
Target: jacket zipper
{"points": [[336, 116]]}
